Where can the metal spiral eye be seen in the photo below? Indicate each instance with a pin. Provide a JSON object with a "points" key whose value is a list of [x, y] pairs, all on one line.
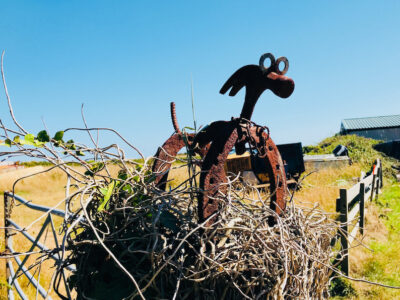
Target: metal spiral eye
{"points": [[262, 60], [278, 62]]}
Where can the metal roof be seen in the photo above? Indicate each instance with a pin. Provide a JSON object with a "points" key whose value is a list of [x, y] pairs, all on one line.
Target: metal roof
{"points": [[371, 122]]}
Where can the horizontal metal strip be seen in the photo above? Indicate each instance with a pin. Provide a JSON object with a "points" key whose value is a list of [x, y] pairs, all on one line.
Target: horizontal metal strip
{"points": [[53, 211]]}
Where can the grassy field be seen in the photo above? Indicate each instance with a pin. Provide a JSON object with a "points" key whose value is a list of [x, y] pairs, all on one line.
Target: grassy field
{"points": [[382, 219], [380, 263], [323, 186]]}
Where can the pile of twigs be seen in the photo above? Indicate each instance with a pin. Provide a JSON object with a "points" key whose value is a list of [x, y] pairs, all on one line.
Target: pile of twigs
{"points": [[149, 244]]}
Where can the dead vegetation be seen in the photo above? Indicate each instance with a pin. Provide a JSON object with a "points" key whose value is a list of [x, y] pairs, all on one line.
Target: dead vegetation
{"points": [[166, 253]]}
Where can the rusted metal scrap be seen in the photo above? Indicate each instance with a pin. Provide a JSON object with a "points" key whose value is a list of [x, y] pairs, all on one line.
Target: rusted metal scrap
{"points": [[167, 153], [217, 140]]}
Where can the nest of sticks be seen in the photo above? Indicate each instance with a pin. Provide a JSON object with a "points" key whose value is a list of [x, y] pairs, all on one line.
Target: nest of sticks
{"points": [[147, 243]]}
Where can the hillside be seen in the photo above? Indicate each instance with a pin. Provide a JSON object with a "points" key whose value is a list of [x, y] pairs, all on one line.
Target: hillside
{"points": [[361, 151]]}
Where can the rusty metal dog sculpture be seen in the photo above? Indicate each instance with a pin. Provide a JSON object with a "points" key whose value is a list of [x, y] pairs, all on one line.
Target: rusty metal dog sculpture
{"points": [[215, 141]]}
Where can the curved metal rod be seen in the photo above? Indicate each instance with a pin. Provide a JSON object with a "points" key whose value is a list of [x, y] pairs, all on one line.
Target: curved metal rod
{"points": [[174, 119]]}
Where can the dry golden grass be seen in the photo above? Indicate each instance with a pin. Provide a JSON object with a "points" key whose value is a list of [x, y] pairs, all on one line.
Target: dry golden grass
{"points": [[375, 231], [178, 174], [45, 189], [323, 186]]}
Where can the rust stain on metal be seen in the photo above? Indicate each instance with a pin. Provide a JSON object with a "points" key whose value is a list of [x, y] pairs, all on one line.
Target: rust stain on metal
{"points": [[213, 174], [166, 154], [164, 157]]}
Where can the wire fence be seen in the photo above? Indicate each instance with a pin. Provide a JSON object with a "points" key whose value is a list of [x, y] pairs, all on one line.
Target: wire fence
{"points": [[11, 228]]}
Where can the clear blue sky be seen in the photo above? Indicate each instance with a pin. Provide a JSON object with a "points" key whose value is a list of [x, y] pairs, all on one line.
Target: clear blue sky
{"points": [[126, 60]]}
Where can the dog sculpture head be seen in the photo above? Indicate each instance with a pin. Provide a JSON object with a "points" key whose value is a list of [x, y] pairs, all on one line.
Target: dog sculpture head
{"points": [[257, 79]]}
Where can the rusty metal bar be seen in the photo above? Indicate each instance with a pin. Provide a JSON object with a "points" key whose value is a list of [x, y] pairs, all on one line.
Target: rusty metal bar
{"points": [[174, 119]]}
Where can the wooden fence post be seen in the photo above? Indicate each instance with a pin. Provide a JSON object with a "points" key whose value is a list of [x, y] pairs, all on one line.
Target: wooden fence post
{"points": [[362, 207], [373, 183], [344, 231], [7, 234], [379, 174], [378, 178]]}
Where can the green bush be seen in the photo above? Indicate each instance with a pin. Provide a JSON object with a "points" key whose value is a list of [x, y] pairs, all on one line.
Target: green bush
{"points": [[360, 151], [341, 288]]}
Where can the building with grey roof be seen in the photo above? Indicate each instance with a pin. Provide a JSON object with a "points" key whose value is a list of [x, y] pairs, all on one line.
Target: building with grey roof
{"points": [[386, 128]]}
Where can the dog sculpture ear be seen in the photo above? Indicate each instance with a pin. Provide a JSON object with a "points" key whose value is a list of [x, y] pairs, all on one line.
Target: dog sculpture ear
{"points": [[242, 77], [233, 84]]}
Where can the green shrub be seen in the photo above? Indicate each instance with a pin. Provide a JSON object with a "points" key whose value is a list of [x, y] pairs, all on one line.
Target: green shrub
{"points": [[341, 288], [360, 151]]}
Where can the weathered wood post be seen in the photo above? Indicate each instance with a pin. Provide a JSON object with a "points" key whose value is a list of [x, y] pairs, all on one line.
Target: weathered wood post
{"points": [[7, 235], [377, 178], [344, 231], [373, 188], [362, 206]]}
